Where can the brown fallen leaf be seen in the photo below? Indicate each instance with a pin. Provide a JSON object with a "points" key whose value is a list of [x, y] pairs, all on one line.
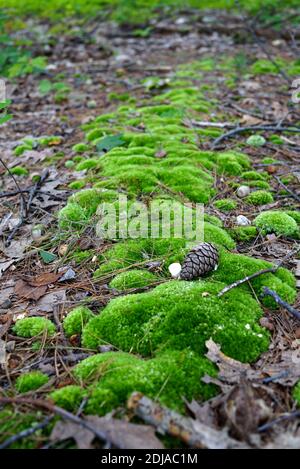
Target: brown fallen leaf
{"points": [[230, 370], [43, 279], [24, 290], [120, 434]]}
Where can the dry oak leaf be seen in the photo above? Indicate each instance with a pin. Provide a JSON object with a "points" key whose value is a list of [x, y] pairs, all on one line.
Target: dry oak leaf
{"points": [[119, 433]]}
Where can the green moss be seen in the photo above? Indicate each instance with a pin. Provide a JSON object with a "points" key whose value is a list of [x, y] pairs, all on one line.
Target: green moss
{"points": [[90, 163], [14, 422], [76, 320], [80, 148], [69, 164], [294, 214], [278, 222], [129, 252], [94, 135], [213, 220], [296, 393], [260, 184], [69, 397], [20, 149], [253, 176], [72, 216], [176, 315], [81, 256], [133, 279], [19, 171], [263, 66], [243, 233], [232, 163], [276, 139], [31, 327], [169, 377], [31, 381], [234, 267], [259, 198], [76, 185], [256, 140], [268, 160], [225, 205]]}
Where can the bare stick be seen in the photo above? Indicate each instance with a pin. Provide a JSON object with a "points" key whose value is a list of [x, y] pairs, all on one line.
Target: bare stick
{"points": [[295, 196], [271, 270], [55, 410], [280, 419], [14, 179], [26, 433], [192, 432], [239, 130], [290, 309]]}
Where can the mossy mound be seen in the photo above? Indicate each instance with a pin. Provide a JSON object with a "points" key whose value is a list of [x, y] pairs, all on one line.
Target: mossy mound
{"points": [[225, 205], [31, 381], [69, 397], [76, 319], [31, 327], [133, 279], [14, 422], [141, 251], [277, 222], [260, 197], [243, 233], [169, 377], [179, 315]]}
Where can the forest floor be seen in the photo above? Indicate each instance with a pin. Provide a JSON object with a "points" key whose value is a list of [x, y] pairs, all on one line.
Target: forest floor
{"points": [[92, 68]]}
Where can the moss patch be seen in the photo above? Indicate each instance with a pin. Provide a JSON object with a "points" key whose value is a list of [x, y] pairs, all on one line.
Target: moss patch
{"points": [[133, 279], [76, 319], [260, 197], [31, 381], [31, 327], [277, 222], [225, 205], [177, 315]]}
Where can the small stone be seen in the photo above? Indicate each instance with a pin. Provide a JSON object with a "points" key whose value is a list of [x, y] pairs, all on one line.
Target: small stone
{"points": [[91, 104], [243, 191], [241, 220]]}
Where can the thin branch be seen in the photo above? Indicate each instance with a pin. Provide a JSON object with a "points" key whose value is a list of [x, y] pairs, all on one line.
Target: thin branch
{"points": [[55, 410], [26, 433], [253, 128], [295, 196], [271, 270], [280, 419], [15, 181], [290, 309]]}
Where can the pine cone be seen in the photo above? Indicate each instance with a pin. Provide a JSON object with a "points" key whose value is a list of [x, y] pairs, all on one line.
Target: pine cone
{"points": [[200, 260]]}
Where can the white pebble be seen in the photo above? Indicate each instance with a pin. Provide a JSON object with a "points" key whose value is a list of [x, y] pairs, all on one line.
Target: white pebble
{"points": [[175, 269], [243, 191], [241, 220]]}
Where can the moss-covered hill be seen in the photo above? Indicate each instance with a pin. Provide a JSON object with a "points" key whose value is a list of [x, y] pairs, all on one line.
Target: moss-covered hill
{"points": [[150, 151]]}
